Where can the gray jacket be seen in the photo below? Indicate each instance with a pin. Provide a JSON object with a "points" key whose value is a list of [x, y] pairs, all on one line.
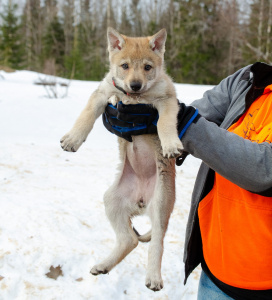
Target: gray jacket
{"points": [[245, 163]]}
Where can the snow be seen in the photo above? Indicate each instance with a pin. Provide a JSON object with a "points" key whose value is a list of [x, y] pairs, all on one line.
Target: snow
{"points": [[51, 202]]}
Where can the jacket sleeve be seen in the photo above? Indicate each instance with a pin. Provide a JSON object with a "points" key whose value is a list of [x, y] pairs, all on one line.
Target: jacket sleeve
{"points": [[245, 163], [215, 102]]}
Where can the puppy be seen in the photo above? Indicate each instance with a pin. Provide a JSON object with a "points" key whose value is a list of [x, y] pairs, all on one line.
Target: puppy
{"points": [[145, 183]]}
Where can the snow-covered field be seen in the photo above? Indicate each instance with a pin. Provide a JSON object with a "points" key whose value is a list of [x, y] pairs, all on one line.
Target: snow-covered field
{"points": [[51, 203]]}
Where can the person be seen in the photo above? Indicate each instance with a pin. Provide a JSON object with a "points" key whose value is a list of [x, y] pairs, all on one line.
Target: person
{"points": [[229, 230]]}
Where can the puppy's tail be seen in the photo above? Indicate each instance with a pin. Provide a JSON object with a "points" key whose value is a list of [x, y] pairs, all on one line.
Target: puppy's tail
{"points": [[145, 238]]}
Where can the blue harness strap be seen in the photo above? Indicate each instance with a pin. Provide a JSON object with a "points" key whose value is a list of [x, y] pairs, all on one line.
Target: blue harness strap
{"points": [[188, 124]]}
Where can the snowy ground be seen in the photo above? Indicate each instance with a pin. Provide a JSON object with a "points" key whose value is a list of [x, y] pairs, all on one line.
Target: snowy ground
{"points": [[51, 202]]}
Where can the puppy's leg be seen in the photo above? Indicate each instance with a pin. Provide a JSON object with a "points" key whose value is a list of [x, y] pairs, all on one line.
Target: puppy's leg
{"points": [[162, 206], [167, 127], [84, 124], [126, 238]]}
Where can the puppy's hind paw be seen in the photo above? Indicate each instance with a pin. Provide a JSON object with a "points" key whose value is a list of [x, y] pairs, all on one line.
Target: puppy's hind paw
{"points": [[99, 269], [154, 285]]}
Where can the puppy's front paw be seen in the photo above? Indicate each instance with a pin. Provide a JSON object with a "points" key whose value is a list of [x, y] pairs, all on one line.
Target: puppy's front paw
{"points": [[154, 284], [99, 269], [129, 100], [172, 149], [71, 142], [113, 100]]}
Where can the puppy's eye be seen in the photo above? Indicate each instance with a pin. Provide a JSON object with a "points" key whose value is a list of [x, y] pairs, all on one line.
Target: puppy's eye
{"points": [[124, 66], [147, 67]]}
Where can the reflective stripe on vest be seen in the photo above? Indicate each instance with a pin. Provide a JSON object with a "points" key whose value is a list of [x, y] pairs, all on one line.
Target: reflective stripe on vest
{"points": [[236, 225]]}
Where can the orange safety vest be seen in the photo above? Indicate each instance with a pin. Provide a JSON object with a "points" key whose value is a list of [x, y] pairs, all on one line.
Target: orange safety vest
{"points": [[235, 224]]}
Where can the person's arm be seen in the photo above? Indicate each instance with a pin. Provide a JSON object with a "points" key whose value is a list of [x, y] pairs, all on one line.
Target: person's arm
{"points": [[215, 103], [245, 163]]}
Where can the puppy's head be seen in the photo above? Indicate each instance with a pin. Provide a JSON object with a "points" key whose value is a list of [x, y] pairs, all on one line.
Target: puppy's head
{"points": [[136, 63]]}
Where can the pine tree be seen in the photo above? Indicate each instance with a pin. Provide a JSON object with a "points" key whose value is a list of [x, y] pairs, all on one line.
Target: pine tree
{"points": [[54, 44], [194, 51], [12, 54], [68, 11], [92, 53], [136, 18], [32, 29], [125, 25]]}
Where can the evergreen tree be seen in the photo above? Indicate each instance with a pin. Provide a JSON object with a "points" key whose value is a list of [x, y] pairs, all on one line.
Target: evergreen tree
{"points": [[68, 11], [194, 54], [136, 18], [125, 25], [32, 29], [54, 44], [12, 54], [85, 61], [74, 64], [92, 53]]}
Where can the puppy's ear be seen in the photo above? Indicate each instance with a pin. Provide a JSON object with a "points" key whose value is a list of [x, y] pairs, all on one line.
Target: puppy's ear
{"points": [[115, 40], [157, 41]]}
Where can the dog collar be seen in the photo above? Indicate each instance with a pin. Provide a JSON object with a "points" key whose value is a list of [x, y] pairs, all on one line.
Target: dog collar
{"points": [[122, 90]]}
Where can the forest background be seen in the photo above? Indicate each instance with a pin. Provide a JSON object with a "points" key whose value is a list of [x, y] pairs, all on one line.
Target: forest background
{"points": [[207, 39]]}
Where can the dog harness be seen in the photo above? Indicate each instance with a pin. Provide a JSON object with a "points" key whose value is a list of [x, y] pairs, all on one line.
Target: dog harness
{"points": [[236, 224]]}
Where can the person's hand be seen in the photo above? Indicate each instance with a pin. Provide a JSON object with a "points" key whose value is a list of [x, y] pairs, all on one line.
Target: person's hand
{"points": [[127, 120], [186, 116]]}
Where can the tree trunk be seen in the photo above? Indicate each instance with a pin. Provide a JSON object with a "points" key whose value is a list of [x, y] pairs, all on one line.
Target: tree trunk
{"points": [[28, 34], [109, 13], [268, 31], [260, 28]]}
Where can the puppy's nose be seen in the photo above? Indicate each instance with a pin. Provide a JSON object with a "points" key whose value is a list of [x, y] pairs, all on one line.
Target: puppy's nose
{"points": [[135, 86]]}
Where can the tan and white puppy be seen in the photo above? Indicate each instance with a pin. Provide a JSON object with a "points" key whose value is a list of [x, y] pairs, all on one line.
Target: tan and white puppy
{"points": [[145, 183]]}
